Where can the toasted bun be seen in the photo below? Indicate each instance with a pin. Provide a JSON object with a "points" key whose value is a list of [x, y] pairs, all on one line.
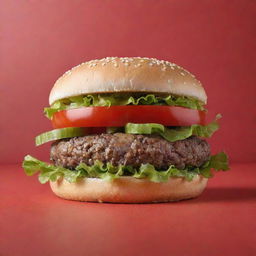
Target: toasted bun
{"points": [[129, 190], [136, 74]]}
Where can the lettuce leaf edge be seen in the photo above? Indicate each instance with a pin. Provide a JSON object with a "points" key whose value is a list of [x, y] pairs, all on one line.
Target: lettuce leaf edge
{"points": [[48, 172]]}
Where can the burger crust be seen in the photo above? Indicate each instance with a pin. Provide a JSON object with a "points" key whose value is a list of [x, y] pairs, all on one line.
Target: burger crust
{"points": [[136, 74], [129, 190]]}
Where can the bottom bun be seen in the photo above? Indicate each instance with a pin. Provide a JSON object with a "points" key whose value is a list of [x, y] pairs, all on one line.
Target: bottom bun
{"points": [[129, 190]]}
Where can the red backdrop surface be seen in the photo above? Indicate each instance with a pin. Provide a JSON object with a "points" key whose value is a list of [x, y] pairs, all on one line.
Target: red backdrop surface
{"points": [[40, 40]]}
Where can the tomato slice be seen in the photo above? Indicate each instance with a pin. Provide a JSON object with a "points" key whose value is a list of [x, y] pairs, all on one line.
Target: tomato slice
{"points": [[117, 116]]}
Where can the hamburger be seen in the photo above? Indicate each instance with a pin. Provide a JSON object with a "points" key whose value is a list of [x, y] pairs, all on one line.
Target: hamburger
{"points": [[127, 130]]}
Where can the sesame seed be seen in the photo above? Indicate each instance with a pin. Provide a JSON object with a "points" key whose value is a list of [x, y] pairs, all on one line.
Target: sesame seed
{"points": [[138, 62], [67, 73]]}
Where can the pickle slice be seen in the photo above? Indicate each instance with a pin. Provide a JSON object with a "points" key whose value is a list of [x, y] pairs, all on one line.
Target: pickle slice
{"points": [[58, 134]]}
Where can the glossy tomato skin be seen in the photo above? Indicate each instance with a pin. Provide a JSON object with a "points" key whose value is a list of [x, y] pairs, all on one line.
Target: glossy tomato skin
{"points": [[117, 116]]}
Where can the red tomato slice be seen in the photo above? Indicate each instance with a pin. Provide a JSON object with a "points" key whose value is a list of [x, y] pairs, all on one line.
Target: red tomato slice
{"points": [[117, 116]]}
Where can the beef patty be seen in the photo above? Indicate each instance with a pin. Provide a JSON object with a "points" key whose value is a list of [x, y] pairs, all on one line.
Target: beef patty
{"points": [[129, 149]]}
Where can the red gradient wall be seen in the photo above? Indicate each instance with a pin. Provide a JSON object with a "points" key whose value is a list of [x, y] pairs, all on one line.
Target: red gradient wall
{"points": [[40, 40]]}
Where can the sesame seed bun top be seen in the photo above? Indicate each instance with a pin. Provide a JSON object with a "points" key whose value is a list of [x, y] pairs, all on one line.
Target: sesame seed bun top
{"points": [[133, 74]]}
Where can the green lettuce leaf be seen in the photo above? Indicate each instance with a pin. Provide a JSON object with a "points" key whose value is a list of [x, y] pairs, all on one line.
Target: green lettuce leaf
{"points": [[217, 162], [49, 172], [174, 134], [120, 100]]}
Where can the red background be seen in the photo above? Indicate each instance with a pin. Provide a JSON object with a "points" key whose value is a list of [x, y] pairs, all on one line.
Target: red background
{"points": [[40, 40]]}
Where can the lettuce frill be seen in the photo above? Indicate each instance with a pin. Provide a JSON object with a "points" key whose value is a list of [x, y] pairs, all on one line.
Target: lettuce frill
{"points": [[107, 100], [48, 172]]}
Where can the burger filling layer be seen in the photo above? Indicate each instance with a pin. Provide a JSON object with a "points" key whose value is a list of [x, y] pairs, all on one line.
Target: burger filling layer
{"points": [[129, 149], [143, 149], [122, 99]]}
